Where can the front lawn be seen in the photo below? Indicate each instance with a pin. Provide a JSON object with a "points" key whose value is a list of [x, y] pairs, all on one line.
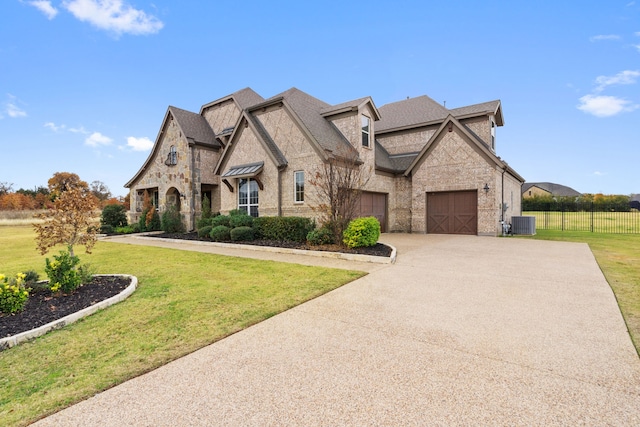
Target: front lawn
{"points": [[619, 258], [185, 300]]}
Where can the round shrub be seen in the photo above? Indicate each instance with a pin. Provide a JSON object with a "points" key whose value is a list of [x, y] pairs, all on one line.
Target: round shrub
{"points": [[113, 215], [220, 220], [242, 234], [13, 294], [242, 220], [204, 231], [107, 229], [63, 272], [320, 236], [362, 232], [235, 212], [220, 233]]}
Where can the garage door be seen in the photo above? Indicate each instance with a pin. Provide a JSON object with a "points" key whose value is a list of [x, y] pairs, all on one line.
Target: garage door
{"points": [[374, 204], [454, 212]]}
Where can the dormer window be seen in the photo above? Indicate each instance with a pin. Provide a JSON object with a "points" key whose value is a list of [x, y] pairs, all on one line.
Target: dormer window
{"points": [[366, 136], [172, 158]]}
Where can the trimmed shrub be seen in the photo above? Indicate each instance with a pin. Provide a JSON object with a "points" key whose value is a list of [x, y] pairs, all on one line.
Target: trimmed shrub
{"points": [[113, 215], [171, 221], [63, 273], [243, 234], [220, 220], [289, 228], [220, 233], [135, 227], [204, 231], [242, 220], [13, 293], [107, 229], [127, 230], [320, 236], [362, 232], [235, 212]]}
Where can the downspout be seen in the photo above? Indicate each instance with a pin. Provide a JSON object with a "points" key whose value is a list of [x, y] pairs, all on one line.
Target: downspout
{"points": [[280, 170]]}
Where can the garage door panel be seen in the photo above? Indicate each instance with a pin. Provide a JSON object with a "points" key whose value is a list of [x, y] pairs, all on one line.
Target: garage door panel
{"points": [[375, 205], [452, 212]]}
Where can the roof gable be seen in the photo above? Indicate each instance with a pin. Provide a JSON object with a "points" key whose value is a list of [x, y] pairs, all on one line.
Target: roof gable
{"points": [[354, 105], [194, 127], [410, 113], [486, 108], [244, 98], [552, 188]]}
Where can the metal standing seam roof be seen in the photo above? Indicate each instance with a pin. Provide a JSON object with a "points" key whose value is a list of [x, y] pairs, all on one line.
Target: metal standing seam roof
{"points": [[251, 169]]}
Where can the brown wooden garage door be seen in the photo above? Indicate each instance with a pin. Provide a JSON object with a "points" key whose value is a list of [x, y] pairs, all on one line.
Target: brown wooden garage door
{"points": [[454, 212], [374, 204]]}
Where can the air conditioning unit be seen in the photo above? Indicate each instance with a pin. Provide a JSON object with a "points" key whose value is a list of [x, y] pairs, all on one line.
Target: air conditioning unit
{"points": [[523, 225]]}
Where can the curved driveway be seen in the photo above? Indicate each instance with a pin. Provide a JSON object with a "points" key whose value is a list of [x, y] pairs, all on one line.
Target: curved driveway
{"points": [[460, 331]]}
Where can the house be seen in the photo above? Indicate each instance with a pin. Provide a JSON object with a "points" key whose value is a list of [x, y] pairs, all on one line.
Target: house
{"points": [[430, 169], [532, 189]]}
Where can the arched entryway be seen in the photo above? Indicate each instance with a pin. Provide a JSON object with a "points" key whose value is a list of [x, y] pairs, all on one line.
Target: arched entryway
{"points": [[173, 198]]}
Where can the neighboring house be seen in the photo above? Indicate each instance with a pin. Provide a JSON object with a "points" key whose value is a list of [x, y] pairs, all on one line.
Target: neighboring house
{"points": [[532, 189], [431, 169], [634, 201]]}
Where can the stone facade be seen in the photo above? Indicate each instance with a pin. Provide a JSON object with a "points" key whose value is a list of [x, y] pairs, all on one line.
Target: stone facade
{"points": [[294, 132]]}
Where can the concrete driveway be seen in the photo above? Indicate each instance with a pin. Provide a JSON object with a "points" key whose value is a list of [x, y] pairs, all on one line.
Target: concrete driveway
{"points": [[460, 331]]}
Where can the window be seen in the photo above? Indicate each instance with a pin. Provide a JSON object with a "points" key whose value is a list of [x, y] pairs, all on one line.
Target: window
{"points": [[298, 186], [248, 196], [172, 158], [154, 199], [493, 135], [365, 131]]}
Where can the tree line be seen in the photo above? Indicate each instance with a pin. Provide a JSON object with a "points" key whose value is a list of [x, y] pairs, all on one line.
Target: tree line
{"points": [[42, 197], [585, 202]]}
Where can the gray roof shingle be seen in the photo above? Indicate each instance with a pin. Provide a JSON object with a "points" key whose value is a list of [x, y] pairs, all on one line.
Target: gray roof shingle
{"points": [[396, 163], [554, 189], [194, 126], [410, 112]]}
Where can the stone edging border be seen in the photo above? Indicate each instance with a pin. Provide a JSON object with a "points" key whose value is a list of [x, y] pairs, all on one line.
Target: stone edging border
{"points": [[324, 254], [14, 340]]}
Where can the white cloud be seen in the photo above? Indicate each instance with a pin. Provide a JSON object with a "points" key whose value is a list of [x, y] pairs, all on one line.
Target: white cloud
{"points": [[626, 77], [81, 129], [45, 7], [602, 37], [14, 111], [114, 15], [598, 173], [605, 106], [96, 139], [139, 144], [54, 127]]}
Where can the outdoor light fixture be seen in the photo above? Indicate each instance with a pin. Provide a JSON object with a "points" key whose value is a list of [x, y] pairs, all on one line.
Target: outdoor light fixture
{"points": [[486, 188]]}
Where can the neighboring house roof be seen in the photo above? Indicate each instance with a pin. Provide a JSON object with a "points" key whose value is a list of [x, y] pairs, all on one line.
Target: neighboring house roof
{"points": [[553, 189], [635, 198]]}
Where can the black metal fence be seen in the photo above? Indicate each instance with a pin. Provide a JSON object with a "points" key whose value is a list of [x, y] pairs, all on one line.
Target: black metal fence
{"points": [[585, 216]]}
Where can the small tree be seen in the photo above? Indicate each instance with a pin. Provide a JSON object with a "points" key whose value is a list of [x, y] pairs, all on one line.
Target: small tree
{"points": [[71, 221], [339, 182], [114, 215]]}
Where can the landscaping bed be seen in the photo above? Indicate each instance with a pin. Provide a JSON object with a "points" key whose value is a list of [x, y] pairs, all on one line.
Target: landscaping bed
{"points": [[43, 306], [378, 249]]}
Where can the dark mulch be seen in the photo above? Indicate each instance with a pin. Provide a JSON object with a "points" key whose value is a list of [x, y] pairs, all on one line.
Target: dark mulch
{"points": [[378, 250], [44, 307]]}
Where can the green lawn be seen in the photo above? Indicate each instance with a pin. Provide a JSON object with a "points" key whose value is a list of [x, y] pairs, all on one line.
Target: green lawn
{"points": [[619, 258], [598, 222], [185, 300]]}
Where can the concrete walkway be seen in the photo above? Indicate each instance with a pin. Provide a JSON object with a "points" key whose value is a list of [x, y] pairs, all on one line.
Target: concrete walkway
{"points": [[460, 331]]}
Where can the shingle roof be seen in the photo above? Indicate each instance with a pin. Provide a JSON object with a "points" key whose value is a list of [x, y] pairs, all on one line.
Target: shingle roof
{"points": [[307, 109], [554, 189], [490, 107], [194, 126], [396, 163], [410, 112], [247, 98], [266, 138]]}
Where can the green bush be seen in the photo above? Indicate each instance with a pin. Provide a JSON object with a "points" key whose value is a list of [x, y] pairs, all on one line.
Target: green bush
{"points": [[220, 233], [63, 272], [242, 220], [362, 232], [203, 222], [171, 221], [235, 212], [13, 294], [220, 220], [113, 215], [107, 229], [320, 236], [290, 228], [31, 276], [204, 231], [155, 224], [243, 234], [133, 228]]}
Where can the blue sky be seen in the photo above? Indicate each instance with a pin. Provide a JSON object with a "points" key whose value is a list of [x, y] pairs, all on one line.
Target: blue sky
{"points": [[85, 84]]}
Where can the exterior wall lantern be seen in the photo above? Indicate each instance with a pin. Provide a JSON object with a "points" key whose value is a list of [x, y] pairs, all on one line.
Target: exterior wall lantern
{"points": [[486, 188]]}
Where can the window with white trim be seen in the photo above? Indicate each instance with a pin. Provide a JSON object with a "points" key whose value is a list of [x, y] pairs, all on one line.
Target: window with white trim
{"points": [[298, 189], [366, 136], [248, 196]]}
